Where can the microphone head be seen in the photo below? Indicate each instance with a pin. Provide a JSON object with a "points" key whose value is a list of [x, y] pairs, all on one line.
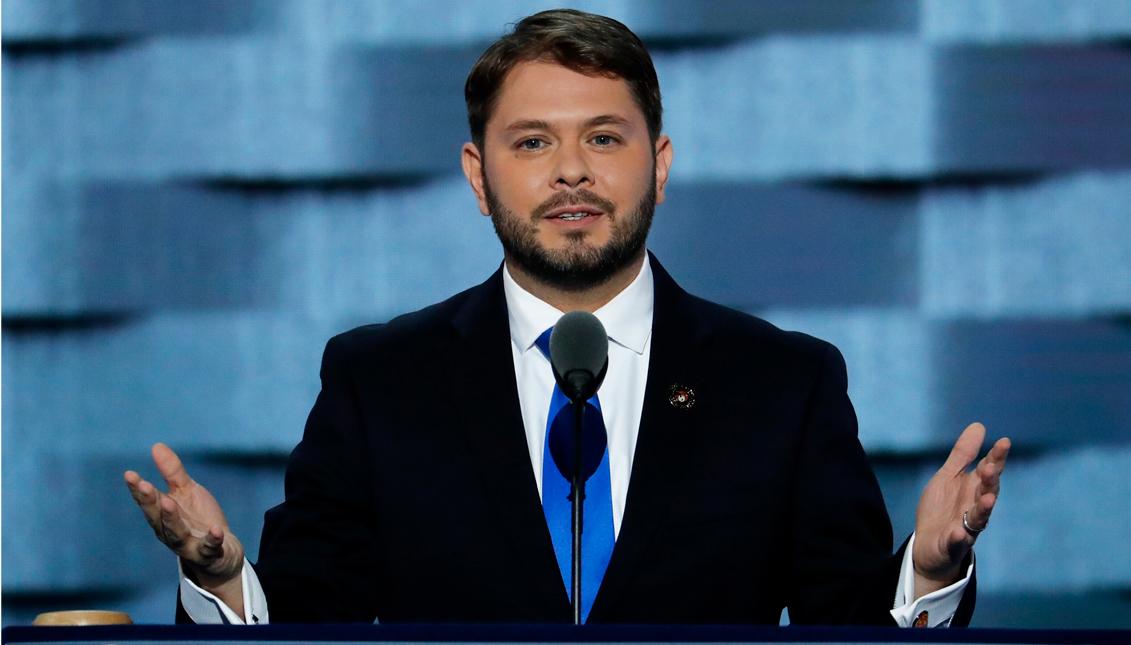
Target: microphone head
{"points": [[579, 353]]}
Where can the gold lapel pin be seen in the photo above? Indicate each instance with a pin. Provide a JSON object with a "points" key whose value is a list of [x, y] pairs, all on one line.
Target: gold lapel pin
{"points": [[681, 397]]}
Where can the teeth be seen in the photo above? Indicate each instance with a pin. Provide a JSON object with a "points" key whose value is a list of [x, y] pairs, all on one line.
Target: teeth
{"points": [[572, 217]]}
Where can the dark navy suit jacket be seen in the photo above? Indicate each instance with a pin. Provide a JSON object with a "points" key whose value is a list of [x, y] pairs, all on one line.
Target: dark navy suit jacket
{"points": [[411, 496]]}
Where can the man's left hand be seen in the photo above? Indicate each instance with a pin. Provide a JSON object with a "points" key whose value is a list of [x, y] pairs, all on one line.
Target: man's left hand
{"points": [[954, 507]]}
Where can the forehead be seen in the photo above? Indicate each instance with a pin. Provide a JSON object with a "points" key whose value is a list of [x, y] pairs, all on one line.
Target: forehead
{"points": [[554, 93]]}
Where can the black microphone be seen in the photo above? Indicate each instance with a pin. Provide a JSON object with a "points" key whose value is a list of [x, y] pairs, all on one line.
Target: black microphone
{"points": [[579, 353]]}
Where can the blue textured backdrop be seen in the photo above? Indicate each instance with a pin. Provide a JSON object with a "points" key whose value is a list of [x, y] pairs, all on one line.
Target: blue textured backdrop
{"points": [[196, 195]]}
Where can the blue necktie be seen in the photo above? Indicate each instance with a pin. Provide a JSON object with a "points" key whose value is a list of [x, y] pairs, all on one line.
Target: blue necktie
{"points": [[597, 528]]}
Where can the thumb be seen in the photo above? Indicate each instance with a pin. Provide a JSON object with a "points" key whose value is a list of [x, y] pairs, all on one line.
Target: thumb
{"points": [[170, 466]]}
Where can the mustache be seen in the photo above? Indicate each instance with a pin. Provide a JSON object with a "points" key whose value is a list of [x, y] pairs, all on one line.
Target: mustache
{"points": [[578, 197]]}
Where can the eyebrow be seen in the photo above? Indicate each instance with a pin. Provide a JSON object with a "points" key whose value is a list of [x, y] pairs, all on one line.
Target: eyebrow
{"points": [[608, 119], [528, 124], [538, 124]]}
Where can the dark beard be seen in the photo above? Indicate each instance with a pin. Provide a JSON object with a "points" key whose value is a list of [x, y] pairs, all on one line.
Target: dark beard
{"points": [[579, 266]]}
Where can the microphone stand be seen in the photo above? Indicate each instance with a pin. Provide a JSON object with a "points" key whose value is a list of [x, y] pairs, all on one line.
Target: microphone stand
{"points": [[578, 384], [577, 500]]}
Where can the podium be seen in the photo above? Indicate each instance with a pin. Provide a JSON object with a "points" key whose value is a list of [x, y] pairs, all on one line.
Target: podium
{"points": [[546, 634]]}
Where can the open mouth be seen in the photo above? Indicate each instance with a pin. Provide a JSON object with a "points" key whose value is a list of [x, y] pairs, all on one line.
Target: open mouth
{"points": [[573, 217], [573, 213]]}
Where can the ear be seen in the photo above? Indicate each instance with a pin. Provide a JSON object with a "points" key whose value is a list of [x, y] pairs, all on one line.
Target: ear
{"points": [[472, 162], [664, 154]]}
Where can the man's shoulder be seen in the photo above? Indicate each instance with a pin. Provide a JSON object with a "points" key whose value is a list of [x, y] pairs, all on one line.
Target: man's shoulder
{"points": [[736, 330], [728, 334], [749, 352], [408, 333]]}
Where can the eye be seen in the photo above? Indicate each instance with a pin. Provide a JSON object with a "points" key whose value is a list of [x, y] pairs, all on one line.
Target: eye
{"points": [[604, 140], [531, 144]]}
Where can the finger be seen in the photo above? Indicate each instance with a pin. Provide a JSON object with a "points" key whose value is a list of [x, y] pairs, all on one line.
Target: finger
{"points": [[170, 466], [966, 449], [978, 516], [999, 452], [133, 482], [147, 498], [991, 466], [989, 477], [174, 532], [142, 491]]}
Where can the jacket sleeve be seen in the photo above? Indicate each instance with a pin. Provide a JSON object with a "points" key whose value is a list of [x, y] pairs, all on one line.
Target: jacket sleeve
{"points": [[843, 570], [317, 554]]}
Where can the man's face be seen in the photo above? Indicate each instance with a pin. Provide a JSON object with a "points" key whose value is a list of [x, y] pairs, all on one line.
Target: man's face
{"points": [[568, 174]]}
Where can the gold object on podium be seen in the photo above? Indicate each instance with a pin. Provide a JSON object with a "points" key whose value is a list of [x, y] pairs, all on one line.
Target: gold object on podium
{"points": [[82, 617]]}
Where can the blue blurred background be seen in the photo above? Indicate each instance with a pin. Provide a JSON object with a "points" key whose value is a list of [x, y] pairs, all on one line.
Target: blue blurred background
{"points": [[197, 195]]}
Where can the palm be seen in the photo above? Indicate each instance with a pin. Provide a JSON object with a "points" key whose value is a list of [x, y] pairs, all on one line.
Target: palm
{"points": [[199, 512], [199, 508], [188, 520], [941, 542]]}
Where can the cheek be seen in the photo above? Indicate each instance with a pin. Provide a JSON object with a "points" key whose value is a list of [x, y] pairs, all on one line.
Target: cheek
{"points": [[519, 186], [624, 183]]}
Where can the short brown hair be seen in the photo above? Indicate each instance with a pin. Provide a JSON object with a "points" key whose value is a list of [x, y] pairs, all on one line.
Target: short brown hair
{"points": [[583, 42]]}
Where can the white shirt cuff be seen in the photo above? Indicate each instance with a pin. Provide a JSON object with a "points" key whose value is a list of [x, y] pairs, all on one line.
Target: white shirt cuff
{"points": [[939, 605], [206, 609]]}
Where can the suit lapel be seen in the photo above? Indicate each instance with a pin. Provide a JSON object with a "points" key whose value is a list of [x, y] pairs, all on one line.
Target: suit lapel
{"points": [[486, 396], [676, 339], [487, 409]]}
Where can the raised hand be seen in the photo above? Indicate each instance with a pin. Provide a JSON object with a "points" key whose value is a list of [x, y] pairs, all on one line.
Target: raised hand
{"points": [[189, 521], [954, 508]]}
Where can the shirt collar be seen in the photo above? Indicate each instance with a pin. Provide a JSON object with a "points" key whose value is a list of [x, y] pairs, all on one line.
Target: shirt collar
{"points": [[627, 317]]}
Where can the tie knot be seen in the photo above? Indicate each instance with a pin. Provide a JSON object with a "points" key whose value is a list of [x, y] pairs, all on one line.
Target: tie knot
{"points": [[543, 342]]}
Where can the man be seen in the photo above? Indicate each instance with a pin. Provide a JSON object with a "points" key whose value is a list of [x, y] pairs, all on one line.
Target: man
{"points": [[735, 480]]}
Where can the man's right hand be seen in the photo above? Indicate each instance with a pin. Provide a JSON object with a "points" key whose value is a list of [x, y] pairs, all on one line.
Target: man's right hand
{"points": [[189, 521]]}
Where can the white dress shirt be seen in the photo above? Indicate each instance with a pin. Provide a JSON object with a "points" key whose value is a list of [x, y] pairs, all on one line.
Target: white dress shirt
{"points": [[628, 320]]}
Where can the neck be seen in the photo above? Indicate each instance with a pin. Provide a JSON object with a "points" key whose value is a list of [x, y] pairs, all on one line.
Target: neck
{"points": [[590, 299]]}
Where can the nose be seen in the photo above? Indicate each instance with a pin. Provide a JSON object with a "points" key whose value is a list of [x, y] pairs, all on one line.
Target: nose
{"points": [[572, 169]]}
